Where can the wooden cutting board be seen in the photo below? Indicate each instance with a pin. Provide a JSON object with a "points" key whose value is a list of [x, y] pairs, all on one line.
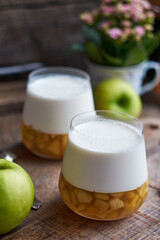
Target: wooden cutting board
{"points": [[55, 221]]}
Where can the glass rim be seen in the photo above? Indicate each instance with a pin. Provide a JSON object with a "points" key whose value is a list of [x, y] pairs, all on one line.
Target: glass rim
{"points": [[140, 129], [70, 70]]}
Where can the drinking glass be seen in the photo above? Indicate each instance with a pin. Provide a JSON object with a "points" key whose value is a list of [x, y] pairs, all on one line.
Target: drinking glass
{"points": [[54, 95], [104, 172]]}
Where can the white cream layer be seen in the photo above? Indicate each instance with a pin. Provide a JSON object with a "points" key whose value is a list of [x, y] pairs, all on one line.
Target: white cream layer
{"points": [[107, 156], [52, 101]]}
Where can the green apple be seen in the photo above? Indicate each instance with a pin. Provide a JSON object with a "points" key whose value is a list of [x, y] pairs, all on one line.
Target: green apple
{"points": [[117, 95], [16, 195]]}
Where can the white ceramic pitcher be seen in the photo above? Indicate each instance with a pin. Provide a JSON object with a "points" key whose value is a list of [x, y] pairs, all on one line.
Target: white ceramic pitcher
{"points": [[134, 75]]}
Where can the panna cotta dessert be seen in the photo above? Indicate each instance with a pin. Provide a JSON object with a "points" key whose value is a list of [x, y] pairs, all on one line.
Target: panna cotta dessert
{"points": [[53, 97], [104, 173]]}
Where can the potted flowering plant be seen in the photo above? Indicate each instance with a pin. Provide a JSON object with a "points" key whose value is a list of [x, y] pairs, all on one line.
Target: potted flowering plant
{"points": [[119, 34]]}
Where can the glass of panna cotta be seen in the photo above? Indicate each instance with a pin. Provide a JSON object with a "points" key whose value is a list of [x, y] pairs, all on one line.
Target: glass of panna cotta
{"points": [[104, 172], [54, 95]]}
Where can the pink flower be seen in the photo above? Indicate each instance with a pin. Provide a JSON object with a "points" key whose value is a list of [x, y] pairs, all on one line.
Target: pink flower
{"points": [[115, 33], [87, 17], [139, 30], [106, 24], [123, 8], [108, 10], [145, 4], [138, 17], [126, 8], [136, 9], [119, 7], [138, 38], [137, 1], [137, 12], [125, 23], [127, 31], [149, 14]]}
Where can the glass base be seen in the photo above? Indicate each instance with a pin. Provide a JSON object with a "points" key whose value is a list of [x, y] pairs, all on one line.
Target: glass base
{"points": [[51, 146], [102, 206]]}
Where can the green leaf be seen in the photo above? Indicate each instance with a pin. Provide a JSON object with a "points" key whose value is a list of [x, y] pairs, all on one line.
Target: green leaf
{"points": [[135, 56], [78, 47], [91, 34], [151, 43], [93, 53], [110, 46], [99, 55], [110, 60]]}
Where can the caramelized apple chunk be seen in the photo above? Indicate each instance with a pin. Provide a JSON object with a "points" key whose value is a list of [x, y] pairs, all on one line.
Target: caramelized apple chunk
{"points": [[102, 206], [42, 144]]}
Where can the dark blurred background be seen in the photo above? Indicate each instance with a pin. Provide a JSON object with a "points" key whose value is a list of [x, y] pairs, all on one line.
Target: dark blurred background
{"points": [[43, 31], [40, 30]]}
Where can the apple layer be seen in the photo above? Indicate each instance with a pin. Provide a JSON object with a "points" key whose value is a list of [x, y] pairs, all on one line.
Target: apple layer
{"points": [[42, 144], [102, 206]]}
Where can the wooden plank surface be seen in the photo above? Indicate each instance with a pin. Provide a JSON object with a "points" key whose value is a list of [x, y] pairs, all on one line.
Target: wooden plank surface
{"points": [[10, 89], [40, 3], [54, 220], [40, 31], [8, 96], [155, 2]]}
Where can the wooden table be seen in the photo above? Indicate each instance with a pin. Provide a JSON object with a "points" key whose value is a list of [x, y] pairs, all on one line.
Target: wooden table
{"points": [[54, 220]]}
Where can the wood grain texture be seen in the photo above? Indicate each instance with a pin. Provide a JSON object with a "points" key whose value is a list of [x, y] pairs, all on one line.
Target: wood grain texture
{"points": [[40, 31], [12, 96], [10, 89], [54, 220], [41, 3], [155, 2]]}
